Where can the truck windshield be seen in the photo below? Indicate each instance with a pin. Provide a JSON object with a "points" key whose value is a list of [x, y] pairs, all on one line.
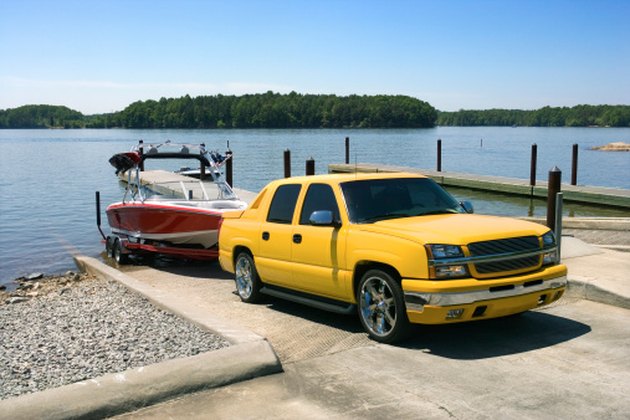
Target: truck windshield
{"points": [[369, 201]]}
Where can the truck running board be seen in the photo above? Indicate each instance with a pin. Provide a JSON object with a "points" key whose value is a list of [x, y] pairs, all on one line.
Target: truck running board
{"points": [[315, 302]]}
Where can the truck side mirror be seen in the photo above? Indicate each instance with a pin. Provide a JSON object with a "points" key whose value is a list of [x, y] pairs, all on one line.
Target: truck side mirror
{"points": [[323, 218], [467, 206]]}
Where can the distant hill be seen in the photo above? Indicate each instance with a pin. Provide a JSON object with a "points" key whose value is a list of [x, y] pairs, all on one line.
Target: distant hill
{"points": [[577, 116], [268, 110], [273, 110], [41, 116]]}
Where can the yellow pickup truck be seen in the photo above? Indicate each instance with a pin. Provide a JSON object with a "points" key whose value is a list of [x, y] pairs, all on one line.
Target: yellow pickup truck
{"points": [[396, 248]]}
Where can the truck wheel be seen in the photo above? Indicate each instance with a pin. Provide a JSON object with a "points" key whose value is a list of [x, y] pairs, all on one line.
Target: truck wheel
{"points": [[382, 307], [246, 278], [119, 256]]}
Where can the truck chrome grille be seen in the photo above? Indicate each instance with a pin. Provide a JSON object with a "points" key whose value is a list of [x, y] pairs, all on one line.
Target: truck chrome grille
{"points": [[506, 246]]}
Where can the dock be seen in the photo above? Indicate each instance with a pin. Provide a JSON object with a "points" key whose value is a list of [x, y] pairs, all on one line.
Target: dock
{"points": [[602, 196]]}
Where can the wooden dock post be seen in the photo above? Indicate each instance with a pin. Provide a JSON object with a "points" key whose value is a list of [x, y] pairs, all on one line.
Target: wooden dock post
{"points": [[553, 188], [287, 163], [202, 167], [532, 169], [229, 165], [141, 152], [310, 166], [574, 164], [439, 155], [347, 150]]}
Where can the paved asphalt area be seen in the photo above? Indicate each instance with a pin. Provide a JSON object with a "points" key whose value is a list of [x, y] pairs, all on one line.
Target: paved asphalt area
{"points": [[569, 360]]}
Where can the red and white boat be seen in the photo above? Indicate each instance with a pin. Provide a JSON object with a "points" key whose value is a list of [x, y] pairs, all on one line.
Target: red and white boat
{"points": [[165, 212]]}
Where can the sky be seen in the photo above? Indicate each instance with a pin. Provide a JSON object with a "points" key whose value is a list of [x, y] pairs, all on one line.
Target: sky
{"points": [[98, 56]]}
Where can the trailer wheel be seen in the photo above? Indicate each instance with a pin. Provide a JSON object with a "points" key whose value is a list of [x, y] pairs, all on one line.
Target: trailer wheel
{"points": [[119, 256], [109, 246]]}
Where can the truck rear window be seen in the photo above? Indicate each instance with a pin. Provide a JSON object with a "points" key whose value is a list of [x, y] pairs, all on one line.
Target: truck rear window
{"points": [[283, 204]]}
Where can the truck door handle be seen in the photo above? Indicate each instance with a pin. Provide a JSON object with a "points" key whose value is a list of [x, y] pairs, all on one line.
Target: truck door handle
{"points": [[265, 236], [297, 238]]}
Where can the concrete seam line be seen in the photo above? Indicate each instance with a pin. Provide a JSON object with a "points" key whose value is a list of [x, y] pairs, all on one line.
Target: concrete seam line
{"points": [[135, 388], [233, 333]]}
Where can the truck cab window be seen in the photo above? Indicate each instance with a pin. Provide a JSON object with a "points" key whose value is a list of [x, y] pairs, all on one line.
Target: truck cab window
{"points": [[283, 204]]}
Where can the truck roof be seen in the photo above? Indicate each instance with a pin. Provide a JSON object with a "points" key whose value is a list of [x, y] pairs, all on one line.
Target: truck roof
{"points": [[339, 178]]}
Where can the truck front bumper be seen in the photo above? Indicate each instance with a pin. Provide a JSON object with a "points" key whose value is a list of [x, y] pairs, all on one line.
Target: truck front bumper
{"points": [[495, 300]]}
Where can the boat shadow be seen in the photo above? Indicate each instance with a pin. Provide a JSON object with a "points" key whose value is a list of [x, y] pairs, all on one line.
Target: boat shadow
{"points": [[202, 270]]}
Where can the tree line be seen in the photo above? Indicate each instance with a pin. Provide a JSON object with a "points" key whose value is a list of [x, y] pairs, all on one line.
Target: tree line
{"points": [[41, 116], [293, 110], [268, 110], [577, 116]]}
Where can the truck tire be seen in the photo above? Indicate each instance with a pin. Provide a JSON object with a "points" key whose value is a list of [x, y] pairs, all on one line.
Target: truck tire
{"points": [[381, 307], [246, 278]]}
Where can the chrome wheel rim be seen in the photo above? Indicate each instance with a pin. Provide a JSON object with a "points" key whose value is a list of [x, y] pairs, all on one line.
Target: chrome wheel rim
{"points": [[244, 277], [378, 307]]}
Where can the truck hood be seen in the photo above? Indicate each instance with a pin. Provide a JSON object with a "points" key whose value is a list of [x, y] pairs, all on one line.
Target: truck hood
{"points": [[456, 229]]}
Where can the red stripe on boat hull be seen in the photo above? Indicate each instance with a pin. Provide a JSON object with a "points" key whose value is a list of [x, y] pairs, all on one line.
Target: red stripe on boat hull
{"points": [[177, 224]]}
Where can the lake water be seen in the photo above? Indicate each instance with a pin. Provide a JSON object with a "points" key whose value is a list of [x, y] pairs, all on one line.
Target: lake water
{"points": [[49, 176]]}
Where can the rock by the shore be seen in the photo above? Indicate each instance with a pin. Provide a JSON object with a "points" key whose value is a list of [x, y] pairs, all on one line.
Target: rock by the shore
{"points": [[613, 147], [17, 299]]}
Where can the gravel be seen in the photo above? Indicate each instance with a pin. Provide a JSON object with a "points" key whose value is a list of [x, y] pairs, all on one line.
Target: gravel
{"points": [[60, 331]]}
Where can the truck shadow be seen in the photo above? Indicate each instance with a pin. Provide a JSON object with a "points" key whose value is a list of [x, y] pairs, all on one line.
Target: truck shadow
{"points": [[495, 337], [466, 341]]}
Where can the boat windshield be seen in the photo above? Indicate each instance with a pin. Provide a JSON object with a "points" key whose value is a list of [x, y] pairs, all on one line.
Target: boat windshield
{"points": [[193, 190], [369, 201]]}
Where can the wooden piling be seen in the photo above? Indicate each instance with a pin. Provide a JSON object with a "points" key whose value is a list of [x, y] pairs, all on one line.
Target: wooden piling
{"points": [[310, 166], [347, 150], [574, 164], [532, 168], [287, 163], [553, 188], [229, 167], [141, 152], [439, 155]]}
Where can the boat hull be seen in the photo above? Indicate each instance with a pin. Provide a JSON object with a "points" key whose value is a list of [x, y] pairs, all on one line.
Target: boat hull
{"points": [[180, 225]]}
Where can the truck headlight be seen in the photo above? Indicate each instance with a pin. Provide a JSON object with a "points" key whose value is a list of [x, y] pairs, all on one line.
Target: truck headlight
{"points": [[549, 241], [439, 268], [439, 251]]}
